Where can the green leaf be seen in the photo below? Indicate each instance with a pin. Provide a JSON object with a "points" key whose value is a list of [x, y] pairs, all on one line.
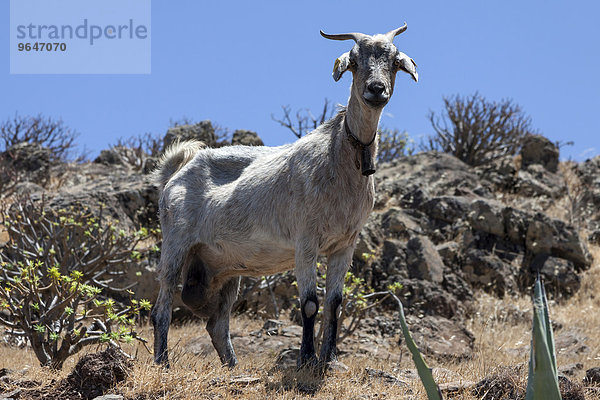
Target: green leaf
{"points": [[432, 389], [542, 382]]}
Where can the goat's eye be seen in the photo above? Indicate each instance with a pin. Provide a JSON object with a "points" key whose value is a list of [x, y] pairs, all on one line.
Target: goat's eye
{"points": [[396, 62], [352, 63]]}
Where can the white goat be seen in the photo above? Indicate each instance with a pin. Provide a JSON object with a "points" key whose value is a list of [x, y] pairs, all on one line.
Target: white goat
{"points": [[254, 211]]}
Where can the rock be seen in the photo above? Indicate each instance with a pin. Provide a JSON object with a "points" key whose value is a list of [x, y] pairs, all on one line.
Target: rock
{"points": [[424, 262], [487, 216], [535, 181], [570, 390], [588, 201], [594, 237], [29, 157], [27, 162], [246, 138], [385, 377], [109, 397], [559, 277], [489, 272], [446, 208], [539, 233], [28, 188], [287, 358], [500, 171], [555, 237], [441, 337], [501, 385], [592, 376], [449, 252], [271, 327], [393, 260], [109, 157], [424, 297], [570, 369], [370, 237], [95, 373], [569, 342], [538, 149], [396, 222], [203, 131]]}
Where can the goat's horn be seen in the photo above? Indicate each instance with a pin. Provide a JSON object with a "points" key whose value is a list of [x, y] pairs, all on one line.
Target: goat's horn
{"points": [[395, 32], [343, 36]]}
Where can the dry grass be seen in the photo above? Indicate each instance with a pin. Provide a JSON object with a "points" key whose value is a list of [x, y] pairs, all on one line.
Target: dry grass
{"points": [[501, 327]]}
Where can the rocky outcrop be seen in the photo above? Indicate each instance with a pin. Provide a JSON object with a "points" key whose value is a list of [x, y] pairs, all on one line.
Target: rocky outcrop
{"points": [[203, 131], [246, 138], [538, 149]]}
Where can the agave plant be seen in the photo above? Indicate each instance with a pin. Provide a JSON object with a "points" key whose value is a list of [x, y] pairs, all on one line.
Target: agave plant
{"points": [[542, 382]]}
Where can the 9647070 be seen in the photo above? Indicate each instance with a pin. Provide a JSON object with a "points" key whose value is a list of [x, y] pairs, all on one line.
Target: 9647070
{"points": [[42, 46]]}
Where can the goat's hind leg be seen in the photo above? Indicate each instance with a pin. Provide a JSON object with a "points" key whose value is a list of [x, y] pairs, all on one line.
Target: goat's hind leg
{"points": [[161, 313], [218, 323]]}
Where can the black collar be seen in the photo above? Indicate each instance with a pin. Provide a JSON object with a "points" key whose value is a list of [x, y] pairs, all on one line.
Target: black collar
{"points": [[368, 168]]}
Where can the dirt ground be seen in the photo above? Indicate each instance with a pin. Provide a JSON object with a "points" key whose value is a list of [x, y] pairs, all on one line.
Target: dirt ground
{"points": [[379, 367]]}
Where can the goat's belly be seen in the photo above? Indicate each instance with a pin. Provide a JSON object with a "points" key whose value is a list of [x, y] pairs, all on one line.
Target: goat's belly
{"points": [[243, 260]]}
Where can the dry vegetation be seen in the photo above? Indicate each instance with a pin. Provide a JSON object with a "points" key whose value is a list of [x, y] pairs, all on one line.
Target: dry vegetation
{"points": [[502, 329]]}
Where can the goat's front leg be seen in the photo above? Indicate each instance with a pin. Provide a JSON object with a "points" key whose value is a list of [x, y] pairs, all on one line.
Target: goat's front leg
{"points": [[338, 264], [306, 276]]}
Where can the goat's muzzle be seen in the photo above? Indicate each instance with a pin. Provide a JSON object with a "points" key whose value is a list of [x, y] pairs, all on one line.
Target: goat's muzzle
{"points": [[376, 94]]}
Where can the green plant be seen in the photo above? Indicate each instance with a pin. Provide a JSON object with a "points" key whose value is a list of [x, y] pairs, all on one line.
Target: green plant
{"points": [[476, 130], [358, 298], [58, 278], [60, 314], [432, 389], [542, 382]]}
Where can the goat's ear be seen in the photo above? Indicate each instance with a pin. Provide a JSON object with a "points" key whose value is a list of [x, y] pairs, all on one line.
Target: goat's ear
{"points": [[407, 64], [341, 65]]}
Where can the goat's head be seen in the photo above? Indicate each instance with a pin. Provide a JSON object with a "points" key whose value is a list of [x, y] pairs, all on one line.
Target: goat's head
{"points": [[374, 61]]}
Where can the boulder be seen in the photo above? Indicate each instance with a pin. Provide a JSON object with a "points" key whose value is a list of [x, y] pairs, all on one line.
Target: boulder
{"points": [[246, 138], [538, 149], [487, 271], [446, 208], [29, 157], [536, 181], [423, 260], [26, 162], [203, 131]]}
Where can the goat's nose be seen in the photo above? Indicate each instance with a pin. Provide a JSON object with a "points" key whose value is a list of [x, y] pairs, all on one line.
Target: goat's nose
{"points": [[376, 88]]}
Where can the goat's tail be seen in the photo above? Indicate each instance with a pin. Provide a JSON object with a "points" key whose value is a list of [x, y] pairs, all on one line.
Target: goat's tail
{"points": [[173, 159]]}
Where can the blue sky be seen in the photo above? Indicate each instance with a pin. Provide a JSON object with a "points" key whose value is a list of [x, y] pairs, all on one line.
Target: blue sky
{"points": [[236, 63]]}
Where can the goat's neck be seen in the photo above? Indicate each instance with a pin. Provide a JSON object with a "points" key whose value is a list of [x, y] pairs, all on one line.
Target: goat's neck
{"points": [[362, 119]]}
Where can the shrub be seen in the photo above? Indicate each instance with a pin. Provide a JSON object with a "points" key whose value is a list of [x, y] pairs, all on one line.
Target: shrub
{"points": [[58, 276], [393, 144], [478, 131], [304, 121], [47, 132]]}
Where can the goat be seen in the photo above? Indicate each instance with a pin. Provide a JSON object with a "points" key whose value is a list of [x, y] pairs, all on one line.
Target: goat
{"points": [[254, 211]]}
